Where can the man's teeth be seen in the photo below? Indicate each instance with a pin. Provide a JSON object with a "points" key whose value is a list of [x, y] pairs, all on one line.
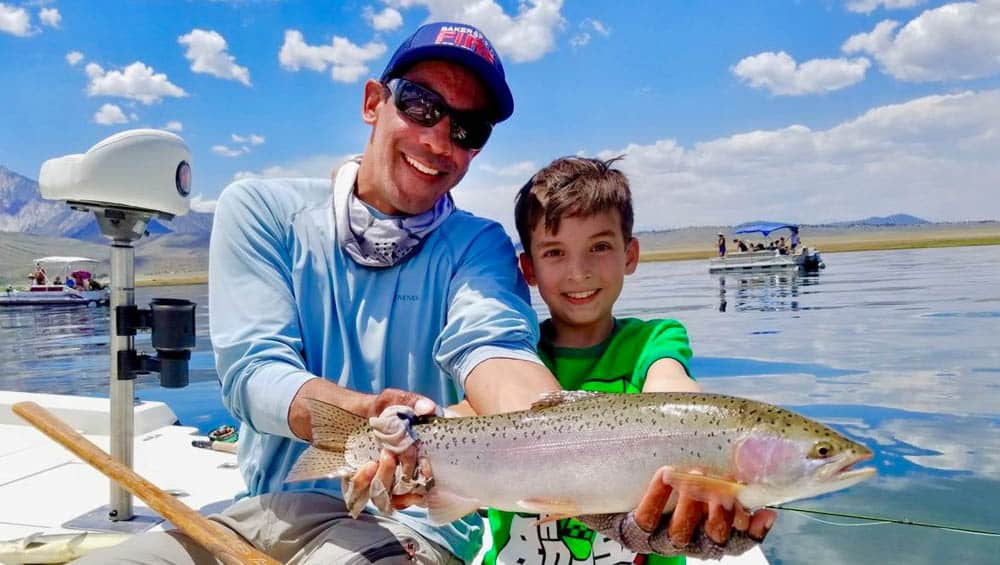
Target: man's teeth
{"points": [[420, 166], [585, 294]]}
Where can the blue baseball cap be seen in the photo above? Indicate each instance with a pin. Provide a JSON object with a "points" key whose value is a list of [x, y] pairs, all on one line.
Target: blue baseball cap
{"points": [[458, 43]]}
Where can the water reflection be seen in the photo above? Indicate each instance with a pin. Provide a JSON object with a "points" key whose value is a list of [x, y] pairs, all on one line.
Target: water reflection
{"points": [[763, 292], [64, 349]]}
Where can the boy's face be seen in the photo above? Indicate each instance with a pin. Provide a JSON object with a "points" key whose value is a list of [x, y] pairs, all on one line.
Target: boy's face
{"points": [[580, 270]]}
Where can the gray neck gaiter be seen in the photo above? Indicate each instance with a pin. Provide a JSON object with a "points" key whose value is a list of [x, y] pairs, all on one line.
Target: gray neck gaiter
{"points": [[379, 241]]}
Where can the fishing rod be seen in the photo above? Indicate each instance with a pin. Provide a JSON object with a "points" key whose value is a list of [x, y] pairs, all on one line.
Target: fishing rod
{"points": [[875, 520]]}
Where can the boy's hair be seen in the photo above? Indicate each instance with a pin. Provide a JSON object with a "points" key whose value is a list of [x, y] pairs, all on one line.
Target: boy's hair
{"points": [[572, 187]]}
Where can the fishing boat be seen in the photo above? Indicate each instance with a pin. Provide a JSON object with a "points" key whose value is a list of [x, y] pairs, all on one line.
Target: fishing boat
{"points": [[762, 259], [48, 488], [71, 286]]}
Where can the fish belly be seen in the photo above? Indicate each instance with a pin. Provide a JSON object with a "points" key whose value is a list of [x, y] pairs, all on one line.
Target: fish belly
{"points": [[589, 475]]}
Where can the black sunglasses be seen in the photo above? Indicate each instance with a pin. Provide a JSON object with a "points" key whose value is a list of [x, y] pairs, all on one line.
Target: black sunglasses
{"points": [[469, 130]]}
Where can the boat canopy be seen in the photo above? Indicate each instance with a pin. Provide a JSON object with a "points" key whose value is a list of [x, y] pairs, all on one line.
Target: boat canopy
{"points": [[60, 259], [764, 228]]}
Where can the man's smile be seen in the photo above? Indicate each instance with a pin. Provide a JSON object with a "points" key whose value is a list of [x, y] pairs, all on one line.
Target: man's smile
{"points": [[421, 167]]}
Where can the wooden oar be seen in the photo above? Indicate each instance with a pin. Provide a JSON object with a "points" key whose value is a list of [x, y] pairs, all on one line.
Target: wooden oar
{"points": [[223, 543]]}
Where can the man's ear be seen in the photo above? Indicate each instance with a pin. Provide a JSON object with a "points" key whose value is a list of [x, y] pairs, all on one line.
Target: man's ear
{"points": [[631, 256], [528, 268], [374, 95]]}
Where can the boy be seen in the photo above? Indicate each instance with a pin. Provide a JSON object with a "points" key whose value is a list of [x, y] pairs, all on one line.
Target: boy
{"points": [[574, 218]]}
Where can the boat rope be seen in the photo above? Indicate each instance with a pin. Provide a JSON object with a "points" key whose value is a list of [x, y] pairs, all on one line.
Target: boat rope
{"points": [[879, 520]]}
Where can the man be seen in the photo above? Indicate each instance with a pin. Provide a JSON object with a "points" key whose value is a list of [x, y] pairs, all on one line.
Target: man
{"points": [[372, 292]]}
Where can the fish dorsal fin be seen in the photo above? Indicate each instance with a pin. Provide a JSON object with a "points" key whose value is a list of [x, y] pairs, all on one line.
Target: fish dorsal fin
{"points": [[316, 463], [445, 506], [332, 425], [557, 397]]}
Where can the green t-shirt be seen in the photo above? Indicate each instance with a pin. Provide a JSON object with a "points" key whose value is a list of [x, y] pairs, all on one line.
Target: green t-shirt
{"points": [[619, 364]]}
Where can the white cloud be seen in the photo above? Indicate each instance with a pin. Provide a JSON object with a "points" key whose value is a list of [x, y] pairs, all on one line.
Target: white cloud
{"points": [[347, 61], [232, 152], [15, 20], [315, 166], [135, 82], [580, 39], [252, 139], [50, 17], [934, 157], [207, 52], [386, 20], [869, 6], [954, 42], [781, 75], [74, 57], [526, 36], [597, 26], [201, 204], [174, 125], [109, 115], [522, 170]]}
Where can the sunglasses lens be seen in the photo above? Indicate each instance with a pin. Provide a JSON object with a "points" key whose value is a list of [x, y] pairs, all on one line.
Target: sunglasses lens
{"points": [[470, 133], [419, 104], [425, 107]]}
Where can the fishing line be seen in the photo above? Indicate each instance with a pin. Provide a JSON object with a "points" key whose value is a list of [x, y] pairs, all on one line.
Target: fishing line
{"points": [[878, 520]]}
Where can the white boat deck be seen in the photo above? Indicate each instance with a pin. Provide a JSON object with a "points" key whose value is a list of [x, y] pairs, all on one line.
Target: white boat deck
{"points": [[43, 486]]}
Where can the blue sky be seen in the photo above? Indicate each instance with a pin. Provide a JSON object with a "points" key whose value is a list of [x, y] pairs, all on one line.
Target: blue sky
{"points": [[805, 111]]}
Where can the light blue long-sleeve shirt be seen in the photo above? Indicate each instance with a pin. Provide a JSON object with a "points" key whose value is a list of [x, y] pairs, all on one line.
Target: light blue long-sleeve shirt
{"points": [[287, 304]]}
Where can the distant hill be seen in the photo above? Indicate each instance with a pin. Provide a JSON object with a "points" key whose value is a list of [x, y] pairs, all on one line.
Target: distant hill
{"points": [[23, 210], [893, 220]]}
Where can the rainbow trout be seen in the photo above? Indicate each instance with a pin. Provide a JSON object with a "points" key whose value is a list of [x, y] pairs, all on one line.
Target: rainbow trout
{"points": [[580, 453]]}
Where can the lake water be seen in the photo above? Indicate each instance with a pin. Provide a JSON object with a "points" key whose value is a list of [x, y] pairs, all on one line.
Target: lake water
{"points": [[897, 349]]}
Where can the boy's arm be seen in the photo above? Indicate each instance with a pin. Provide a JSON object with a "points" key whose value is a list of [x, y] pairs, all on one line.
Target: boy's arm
{"points": [[668, 375], [506, 385]]}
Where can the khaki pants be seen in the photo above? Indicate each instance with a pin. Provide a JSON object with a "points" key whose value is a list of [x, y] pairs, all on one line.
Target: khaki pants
{"points": [[292, 527]]}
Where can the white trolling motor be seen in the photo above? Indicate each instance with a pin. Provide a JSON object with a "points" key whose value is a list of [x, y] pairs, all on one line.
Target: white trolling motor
{"points": [[126, 180]]}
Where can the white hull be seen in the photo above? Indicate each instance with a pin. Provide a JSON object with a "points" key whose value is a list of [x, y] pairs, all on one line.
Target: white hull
{"points": [[54, 296], [768, 260]]}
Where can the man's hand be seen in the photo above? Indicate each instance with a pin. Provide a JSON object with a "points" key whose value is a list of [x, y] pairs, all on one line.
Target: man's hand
{"points": [[694, 528], [396, 479]]}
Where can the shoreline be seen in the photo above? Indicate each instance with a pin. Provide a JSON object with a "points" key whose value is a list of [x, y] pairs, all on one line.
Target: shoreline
{"points": [[832, 245], [825, 244]]}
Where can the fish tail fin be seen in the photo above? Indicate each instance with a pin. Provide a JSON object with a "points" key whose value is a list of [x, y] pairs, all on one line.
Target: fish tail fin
{"points": [[315, 463], [332, 427]]}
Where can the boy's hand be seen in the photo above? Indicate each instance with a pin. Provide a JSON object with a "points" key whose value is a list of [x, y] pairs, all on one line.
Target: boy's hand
{"points": [[694, 528]]}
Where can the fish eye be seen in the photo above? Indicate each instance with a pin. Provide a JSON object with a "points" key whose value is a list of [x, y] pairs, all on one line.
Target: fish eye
{"points": [[821, 450]]}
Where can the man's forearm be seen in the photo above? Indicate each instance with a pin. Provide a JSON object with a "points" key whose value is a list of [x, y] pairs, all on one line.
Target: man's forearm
{"points": [[327, 391], [506, 385]]}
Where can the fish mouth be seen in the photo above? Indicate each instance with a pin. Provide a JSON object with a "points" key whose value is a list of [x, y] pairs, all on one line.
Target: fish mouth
{"points": [[842, 470]]}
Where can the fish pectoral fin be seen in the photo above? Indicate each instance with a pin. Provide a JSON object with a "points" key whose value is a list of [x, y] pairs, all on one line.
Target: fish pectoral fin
{"points": [[445, 506], [315, 463], [551, 518], [556, 508], [703, 487]]}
